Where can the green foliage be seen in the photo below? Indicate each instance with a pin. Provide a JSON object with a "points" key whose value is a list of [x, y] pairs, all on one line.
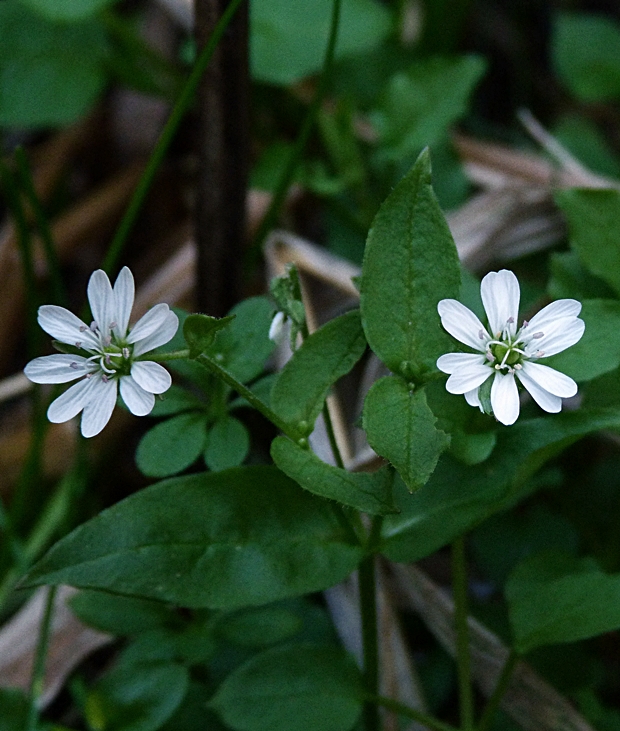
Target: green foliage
{"points": [[555, 597], [175, 401], [222, 540], [227, 445], [325, 356], [67, 10], [421, 103], [42, 85], [172, 445], [584, 139], [289, 39], [370, 493], [13, 710], [300, 687], [594, 226], [119, 615], [401, 427], [199, 331], [260, 626], [586, 56], [410, 264], [570, 279]]}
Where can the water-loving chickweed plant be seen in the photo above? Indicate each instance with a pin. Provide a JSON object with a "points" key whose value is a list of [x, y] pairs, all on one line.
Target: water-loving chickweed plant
{"points": [[224, 557]]}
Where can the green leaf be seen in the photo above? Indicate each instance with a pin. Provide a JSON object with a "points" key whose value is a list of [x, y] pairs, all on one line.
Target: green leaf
{"points": [[137, 696], [554, 597], [301, 687], [457, 496], [401, 427], [594, 228], [371, 493], [410, 263], [199, 331], [259, 626], [40, 82], [13, 710], [325, 356], [289, 38], [229, 539], [171, 446], [570, 279], [175, 401], [586, 55], [119, 615], [472, 447], [419, 105], [598, 351], [228, 444], [243, 347], [69, 10]]}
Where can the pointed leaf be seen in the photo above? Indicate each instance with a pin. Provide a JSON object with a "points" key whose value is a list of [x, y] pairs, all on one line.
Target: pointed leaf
{"points": [[220, 539], [199, 331], [371, 493], [409, 265]]}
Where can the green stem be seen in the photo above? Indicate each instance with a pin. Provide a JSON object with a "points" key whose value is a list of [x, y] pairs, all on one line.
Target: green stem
{"points": [[249, 396], [459, 583], [286, 178], [423, 718], [38, 669], [368, 611], [163, 357], [165, 138], [500, 689], [329, 428]]}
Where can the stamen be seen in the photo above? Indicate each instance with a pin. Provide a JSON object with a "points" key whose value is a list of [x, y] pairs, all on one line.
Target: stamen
{"points": [[538, 335], [93, 326], [510, 320], [74, 365], [518, 366], [126, 353], [481, 334], [526, 323], [490, 356], [104, 378], [113, 325], [83, 328], [78, 343], [107, 340]]}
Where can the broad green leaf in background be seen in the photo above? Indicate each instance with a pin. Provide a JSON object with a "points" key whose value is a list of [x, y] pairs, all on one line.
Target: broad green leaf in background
{"points": [[297, 687], [410, 263], [594, 230], [598, 351], [369, 492], [200, 330], [244, 346], [172, 445], [325, 356], [570, 279], [227, 445], [230, 539], [68, 10], [585, 140], [457, 497], [586, 55], [555, 597], [119, 615], [40, 82], [401, 427], [420, 104], [289, 38], [13, 710], [137, 696], [259, 626], [176, 400]]}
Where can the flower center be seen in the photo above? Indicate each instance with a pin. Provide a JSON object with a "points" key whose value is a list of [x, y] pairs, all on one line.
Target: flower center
{"points": [[112, 356]]}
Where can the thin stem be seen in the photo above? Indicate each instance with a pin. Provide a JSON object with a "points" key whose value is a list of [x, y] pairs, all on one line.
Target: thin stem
{"points": [[38, 669], [164, 357], [500, 689], [459, 583], [165, 138], [368, 611], [329, 427], [300, 143], [249, 396], [423, 718]]}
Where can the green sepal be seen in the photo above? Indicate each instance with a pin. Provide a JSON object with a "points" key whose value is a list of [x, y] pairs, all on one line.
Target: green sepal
{"points": [[200, 330]]}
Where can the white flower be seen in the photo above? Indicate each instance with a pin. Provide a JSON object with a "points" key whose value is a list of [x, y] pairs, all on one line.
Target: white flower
{"points": [[277, 328], [507, 352], [115, 354]]}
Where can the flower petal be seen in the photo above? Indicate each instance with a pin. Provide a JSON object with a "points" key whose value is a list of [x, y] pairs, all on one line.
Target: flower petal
{"points": [[505, 398], [554, 311], [101, 299], [472, 398], [500, 297], [160, 337], [66, 327], [99, 408], [546, 400], [56, 368], [151, 376], [149, 323], [139, 401], [470, 371], [72, 401], [556, 337], [124, 291], [553, 381], [462, 324]]}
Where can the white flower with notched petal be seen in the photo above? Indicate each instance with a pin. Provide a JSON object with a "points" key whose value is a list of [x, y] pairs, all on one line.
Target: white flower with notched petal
{"points": [[115, 354], [506, 352]]}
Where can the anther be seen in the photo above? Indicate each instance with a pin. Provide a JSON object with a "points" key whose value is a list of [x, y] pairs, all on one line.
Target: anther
{"points": [[538, 335], [510, 320], [490, 356], [93, 326], [74, 365], [78, 343], [113, 324], [497, 367], [481, 334], [104, 378], [518, 366], [83, 328], [107, 340], [108, 360], [126, 353]]}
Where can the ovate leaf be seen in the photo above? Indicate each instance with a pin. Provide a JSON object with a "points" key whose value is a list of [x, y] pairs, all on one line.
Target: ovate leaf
{"points": [[327, 355], [401, 427], [200, 330], [69, 10], [301, 687], [410, 263], [228, 539], [171, 446], [228, 443], [371, 493]]}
